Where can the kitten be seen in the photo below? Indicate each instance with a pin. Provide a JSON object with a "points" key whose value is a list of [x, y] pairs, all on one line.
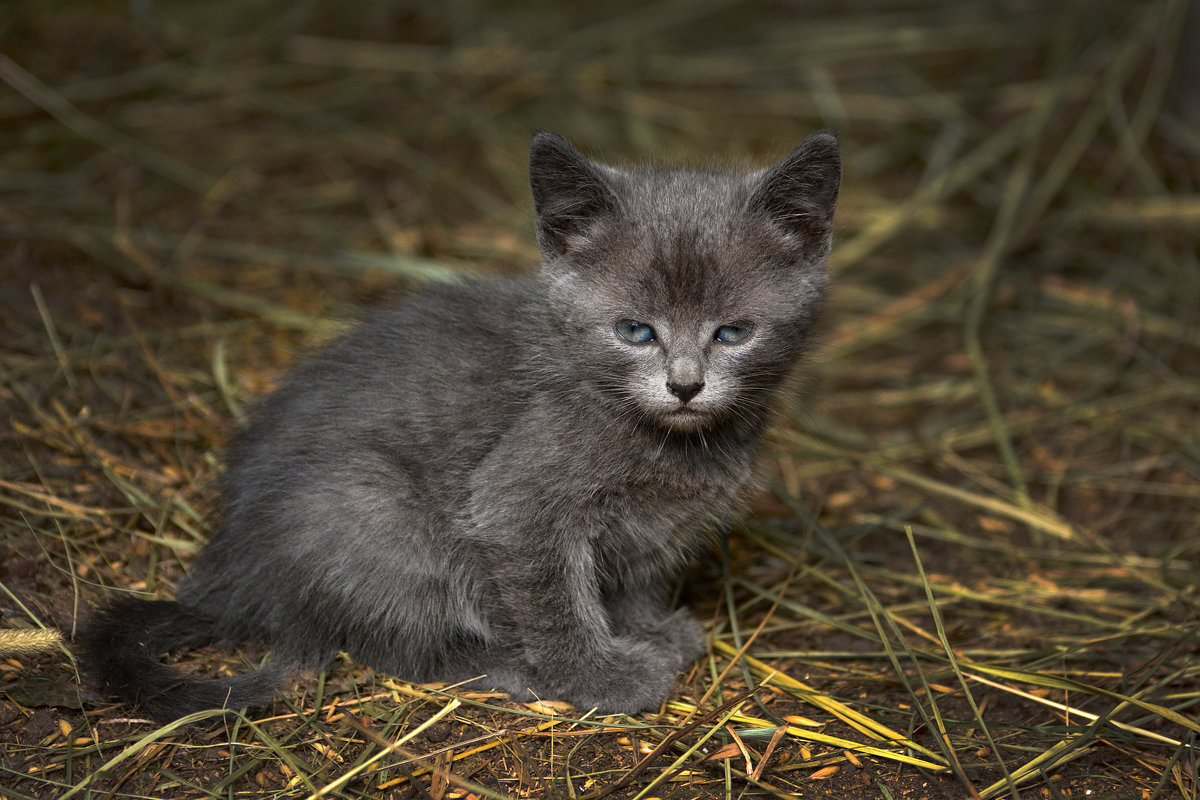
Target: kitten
{"points": [[502, 478]]}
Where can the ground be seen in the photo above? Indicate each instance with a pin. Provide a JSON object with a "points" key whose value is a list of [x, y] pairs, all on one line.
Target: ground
{"points": [[972, 570]]}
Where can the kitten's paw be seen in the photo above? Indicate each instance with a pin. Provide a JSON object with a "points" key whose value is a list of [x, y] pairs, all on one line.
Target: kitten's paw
{"points": [[678, 632], [639, 678], [634, 676], [683, 634]]}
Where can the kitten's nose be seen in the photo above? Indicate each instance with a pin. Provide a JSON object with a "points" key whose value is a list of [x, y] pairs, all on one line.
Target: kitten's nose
{"points": [[685, 391]]}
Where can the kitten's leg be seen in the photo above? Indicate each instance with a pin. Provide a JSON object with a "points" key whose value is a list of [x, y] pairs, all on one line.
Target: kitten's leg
{"points": [[639, 611], [552, 616]]}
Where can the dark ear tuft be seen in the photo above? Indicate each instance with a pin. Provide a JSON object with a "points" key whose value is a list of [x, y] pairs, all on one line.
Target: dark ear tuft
{"points": [[569, 192], [800, 192]]}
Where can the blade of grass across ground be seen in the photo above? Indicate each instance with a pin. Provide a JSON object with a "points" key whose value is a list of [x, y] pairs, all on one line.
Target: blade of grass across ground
{"points": [[1009, 781], [1069, 685], [387, 748], [762, 726], [139, 746], [801, 691]]}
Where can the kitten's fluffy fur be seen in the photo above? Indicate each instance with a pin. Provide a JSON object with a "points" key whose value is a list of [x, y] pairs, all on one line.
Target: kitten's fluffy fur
{"points": [[502, 478]]}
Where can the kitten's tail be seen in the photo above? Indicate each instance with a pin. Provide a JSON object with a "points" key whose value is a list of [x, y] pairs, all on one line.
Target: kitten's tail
{"points": [[121, 646]]}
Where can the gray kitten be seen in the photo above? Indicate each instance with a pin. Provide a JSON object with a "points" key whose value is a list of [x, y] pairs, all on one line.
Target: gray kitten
{"points": [[503, 478]]}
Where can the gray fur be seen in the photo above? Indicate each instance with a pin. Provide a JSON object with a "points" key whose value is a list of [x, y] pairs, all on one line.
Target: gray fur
{"points": [[488, 480]]}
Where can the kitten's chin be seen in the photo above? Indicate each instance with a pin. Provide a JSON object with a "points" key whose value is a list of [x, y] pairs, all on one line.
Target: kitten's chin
{"points": [[685, 420]]}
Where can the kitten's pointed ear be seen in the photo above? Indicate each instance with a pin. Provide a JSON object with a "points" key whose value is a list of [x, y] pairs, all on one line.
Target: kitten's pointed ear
{"points": [[800, 192], [569, 192]]}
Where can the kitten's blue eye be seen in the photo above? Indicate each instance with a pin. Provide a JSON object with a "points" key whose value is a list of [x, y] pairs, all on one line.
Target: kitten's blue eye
{"points": [[732, 334], [635, 332]]}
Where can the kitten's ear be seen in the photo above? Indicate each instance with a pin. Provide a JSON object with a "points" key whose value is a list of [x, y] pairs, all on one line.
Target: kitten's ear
{"points": [[569, 192], [800, 192]]}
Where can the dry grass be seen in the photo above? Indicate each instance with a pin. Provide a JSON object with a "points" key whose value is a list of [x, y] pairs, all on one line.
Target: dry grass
{"points": [[975, 572]]}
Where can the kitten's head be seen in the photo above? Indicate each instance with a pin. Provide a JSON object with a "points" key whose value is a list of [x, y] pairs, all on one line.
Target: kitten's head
{"points": [[683, 297]]}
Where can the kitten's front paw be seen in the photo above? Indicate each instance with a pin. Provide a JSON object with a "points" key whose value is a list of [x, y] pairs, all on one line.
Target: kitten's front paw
{"points": [[678, 632], [687, 637], [634, 676]]}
